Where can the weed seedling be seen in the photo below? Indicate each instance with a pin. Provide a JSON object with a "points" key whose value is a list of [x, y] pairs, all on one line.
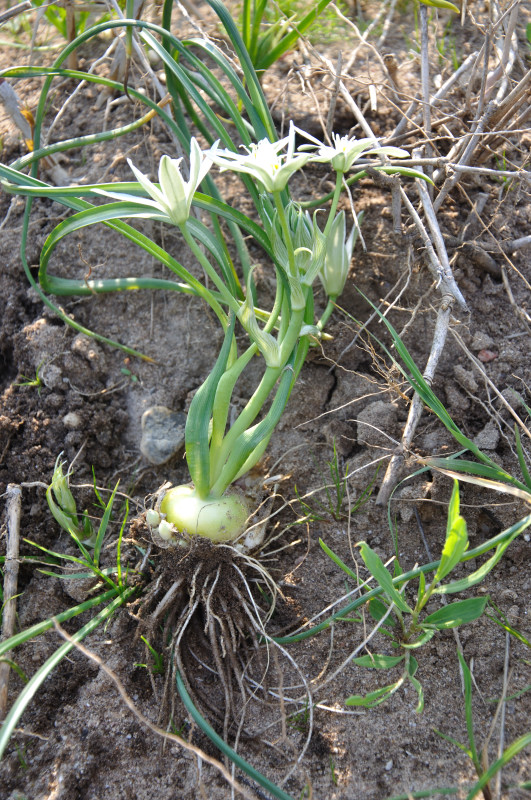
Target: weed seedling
{"points": [[157, 660], [34, 383], [406, 623]]}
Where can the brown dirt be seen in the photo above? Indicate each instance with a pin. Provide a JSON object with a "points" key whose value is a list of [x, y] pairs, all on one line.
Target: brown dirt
{"points": [[77, 741]]}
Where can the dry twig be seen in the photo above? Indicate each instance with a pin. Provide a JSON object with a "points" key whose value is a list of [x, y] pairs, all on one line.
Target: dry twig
{"points": [[13, 507]]}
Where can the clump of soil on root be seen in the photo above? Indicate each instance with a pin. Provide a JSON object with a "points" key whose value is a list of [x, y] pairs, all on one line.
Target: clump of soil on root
{"points": [[199, 610]]}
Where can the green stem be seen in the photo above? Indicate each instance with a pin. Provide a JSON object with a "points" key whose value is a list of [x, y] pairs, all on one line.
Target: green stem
{"points": [[223, 746], [209, 269], [221, 408], [256, 403], [327, 313]]}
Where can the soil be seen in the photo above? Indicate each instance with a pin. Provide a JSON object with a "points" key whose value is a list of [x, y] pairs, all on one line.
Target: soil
{"points": [[77, 740]]}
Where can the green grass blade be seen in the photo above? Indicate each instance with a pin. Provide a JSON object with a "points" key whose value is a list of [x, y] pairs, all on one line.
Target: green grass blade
{"points": [[467, 679], [41, 627], [521, 459], [110, 214], [33, 685], [103, 526], [341, 564], [493, 473], [224, 747], [291, 38], [251, 79], [377, 569]]}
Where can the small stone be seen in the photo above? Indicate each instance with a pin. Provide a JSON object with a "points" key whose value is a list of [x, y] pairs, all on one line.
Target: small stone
{"points": [[72, 420], [162, 434], [389, 765], [488, 438]]}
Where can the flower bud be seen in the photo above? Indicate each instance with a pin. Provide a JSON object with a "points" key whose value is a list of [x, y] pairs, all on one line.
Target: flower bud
{"points": [[338, 256]]}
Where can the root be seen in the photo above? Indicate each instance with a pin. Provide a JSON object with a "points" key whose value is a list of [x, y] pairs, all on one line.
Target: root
{"points": [[200, 612]]}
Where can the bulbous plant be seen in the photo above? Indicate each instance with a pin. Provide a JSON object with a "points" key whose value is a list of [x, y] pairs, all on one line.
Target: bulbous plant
{"points": [[205, 523]]}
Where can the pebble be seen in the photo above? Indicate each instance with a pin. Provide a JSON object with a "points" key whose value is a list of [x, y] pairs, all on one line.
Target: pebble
{"points": [[162, 434], [72, 420], [489, 437]]}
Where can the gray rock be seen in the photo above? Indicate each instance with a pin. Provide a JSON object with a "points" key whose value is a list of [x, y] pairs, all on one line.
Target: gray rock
{"points": [[488, 438], [162, 434]]}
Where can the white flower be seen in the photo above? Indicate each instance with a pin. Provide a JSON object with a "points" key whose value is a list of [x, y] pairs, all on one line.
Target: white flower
{"points": [[174, 198], [264, 161], [338, 256], [344, 151]]}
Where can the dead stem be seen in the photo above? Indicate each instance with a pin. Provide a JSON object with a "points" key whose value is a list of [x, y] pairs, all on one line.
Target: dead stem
{"points": [[397, 460], [11, 564]]}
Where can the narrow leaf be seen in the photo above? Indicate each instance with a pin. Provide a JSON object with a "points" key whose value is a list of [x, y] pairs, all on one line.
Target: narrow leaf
{"points": [[198, 419], [456, 538], [375, 566], [376, 661], [457, 613]]}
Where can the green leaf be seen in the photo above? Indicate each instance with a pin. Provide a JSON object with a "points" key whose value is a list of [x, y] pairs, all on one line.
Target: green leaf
{"points": [[456, 538], [374, 698], [441, 4], [422, 588], [377, 610], [198, 419], [376, 661], [330, 553], [479, 574], [375, 566], [426, 636], [457, 613]]}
